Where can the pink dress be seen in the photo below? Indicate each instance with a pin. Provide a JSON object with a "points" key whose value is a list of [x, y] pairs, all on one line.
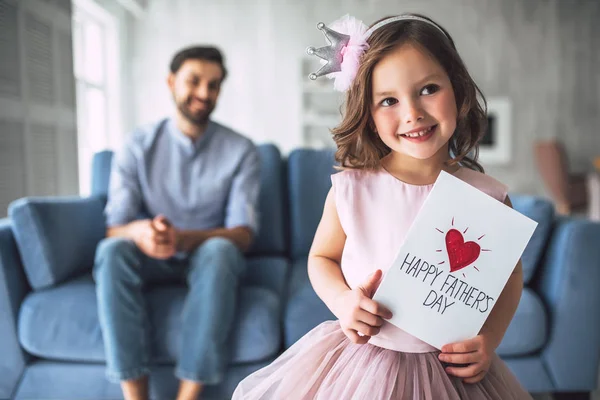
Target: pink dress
{"points": [[375, 210]]}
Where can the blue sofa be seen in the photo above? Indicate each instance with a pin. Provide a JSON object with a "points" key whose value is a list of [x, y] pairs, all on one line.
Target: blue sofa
{"points": [[51, 344]]}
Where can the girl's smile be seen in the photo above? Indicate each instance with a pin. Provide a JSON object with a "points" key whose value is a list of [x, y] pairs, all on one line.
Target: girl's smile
{"points": [[419, 135]]}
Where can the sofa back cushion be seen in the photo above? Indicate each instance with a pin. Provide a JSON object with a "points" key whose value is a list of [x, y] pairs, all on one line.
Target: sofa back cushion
{"points": [[542, 212], [309, 180], [271, 239], [101, 167], [57, 237]]}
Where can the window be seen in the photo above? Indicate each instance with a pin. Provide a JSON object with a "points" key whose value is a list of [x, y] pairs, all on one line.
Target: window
{"points": [[95, 49]]}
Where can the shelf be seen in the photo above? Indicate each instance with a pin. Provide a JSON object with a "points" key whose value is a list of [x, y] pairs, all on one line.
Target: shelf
{"points": [[321, 120], [320, 108], [315, 87]]}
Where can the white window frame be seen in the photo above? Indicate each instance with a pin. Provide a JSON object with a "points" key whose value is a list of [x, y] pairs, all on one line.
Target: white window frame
{"points": [[90, 12]]}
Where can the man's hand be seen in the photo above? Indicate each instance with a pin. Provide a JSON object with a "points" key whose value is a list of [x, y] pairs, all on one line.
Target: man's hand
{"points": [[475, 353], [157, 238]]}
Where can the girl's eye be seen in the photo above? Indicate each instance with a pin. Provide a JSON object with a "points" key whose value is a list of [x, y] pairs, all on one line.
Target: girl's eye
{"points": [[390, 101], [430, 89]]}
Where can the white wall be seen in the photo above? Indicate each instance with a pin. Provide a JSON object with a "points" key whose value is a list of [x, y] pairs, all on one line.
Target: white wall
{"points": [[260, 98], [543, 54]]}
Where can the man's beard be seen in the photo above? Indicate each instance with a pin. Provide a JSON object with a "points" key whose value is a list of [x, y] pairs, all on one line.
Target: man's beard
{"points": [[197, 118]]}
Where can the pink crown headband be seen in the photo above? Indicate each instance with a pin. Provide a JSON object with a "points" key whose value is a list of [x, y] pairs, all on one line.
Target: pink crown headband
{"points": [[347, 43]]}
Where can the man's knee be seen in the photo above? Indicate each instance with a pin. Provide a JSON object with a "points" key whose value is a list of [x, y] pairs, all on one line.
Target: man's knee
{"points": [[115, 248], [112, 254], [218, 254], [219, 245]]}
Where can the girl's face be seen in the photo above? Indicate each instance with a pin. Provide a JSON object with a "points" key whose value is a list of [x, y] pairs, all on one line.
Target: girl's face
{"points": [[413, 107]]}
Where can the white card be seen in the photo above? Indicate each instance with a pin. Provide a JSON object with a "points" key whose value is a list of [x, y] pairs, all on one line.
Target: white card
{"points": [[458, 255]]}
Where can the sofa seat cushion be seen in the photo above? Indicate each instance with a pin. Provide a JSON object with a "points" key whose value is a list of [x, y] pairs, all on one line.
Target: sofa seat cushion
{"points": [[61, 323], [304, 309], [527, 332]]}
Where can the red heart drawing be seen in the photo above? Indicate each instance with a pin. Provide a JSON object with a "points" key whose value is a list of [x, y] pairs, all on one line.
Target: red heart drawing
{"points": [[460, 253]]}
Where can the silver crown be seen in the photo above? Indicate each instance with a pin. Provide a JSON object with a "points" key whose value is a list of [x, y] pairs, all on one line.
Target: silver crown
{"points": [[332, 53]]}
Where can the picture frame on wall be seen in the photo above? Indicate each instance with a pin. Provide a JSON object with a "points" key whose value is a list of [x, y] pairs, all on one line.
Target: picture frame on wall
{"points": [[495, 146]]}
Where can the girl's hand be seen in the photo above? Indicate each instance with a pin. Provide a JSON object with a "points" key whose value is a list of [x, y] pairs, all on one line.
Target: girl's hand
{"points": [[360, 317], [476, 353]]}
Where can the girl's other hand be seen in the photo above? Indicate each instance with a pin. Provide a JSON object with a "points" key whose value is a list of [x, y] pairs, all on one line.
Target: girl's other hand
{"points": [[361, 317], [475, 354]]}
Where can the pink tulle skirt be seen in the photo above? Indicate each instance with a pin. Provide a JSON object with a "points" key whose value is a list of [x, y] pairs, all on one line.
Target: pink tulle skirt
{"points": [[325, 365]]}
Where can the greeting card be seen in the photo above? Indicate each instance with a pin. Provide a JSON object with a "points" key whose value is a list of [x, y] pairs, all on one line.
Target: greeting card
{"points": [[456, 259]]}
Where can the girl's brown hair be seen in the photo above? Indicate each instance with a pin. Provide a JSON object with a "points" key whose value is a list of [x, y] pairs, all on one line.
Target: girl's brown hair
{"points": [[359, 146]]}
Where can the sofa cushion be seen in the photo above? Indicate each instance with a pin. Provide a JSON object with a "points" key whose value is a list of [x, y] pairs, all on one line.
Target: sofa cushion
{"points": [[527, 332], [271, 237], [57, 237], [61, 323], [304, 309], [268, 272], [101, 165], [309, 177], [542, 212]]}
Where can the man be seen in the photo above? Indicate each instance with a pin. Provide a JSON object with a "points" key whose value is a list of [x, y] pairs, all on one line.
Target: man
{"points": [[199, 182]]}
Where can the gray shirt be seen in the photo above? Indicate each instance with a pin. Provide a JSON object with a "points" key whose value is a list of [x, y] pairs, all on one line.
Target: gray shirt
{"points": [[210, 183]]}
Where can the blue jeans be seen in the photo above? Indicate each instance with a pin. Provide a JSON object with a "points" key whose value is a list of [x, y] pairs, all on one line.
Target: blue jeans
{"points": [[212, 271]]}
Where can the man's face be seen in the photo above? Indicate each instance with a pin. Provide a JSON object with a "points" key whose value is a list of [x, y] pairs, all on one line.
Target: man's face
{"points": [[195, 88]]}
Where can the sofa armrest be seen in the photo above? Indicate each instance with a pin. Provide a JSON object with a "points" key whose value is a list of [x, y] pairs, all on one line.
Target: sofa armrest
{"points": [[569, 283], [13, 288]]}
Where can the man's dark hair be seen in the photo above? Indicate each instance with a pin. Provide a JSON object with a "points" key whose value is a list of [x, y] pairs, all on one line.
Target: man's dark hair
{"points": [[205, 53]]}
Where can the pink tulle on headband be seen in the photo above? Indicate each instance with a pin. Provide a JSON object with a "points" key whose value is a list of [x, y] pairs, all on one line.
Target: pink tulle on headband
{"points": [[351, 53]]}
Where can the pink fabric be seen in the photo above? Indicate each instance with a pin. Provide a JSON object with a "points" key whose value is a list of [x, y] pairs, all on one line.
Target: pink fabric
{"points": [[375, 210], [325, 365]]}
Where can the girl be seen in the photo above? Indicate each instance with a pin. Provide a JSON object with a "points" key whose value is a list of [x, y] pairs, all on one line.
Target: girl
{"points": [[411, 111]]}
